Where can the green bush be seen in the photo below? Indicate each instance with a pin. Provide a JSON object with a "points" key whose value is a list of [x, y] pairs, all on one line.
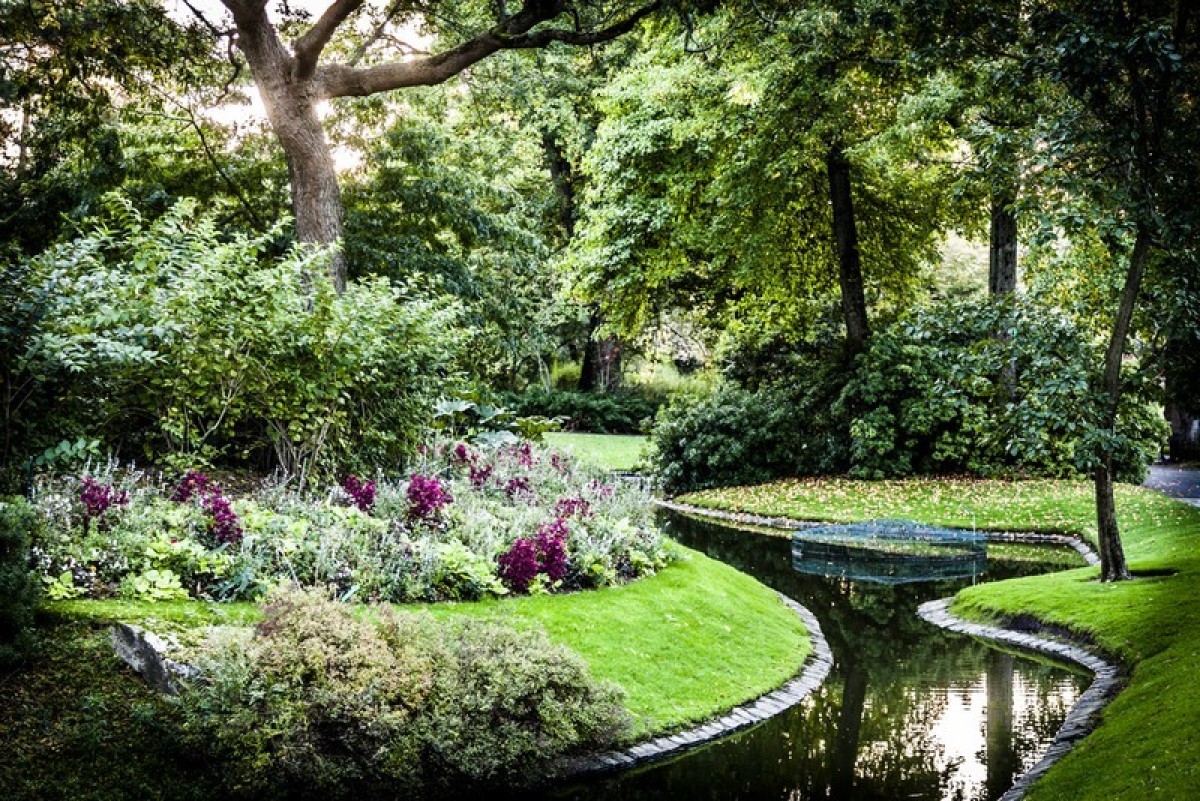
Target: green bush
{"points": [[735, 436], [323, 702], [991, 389], [18, 589], [622, 412], [201, 347]]}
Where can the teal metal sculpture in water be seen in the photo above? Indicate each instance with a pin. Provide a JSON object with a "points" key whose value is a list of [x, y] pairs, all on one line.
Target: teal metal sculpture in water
{"points": [[889, 552]]}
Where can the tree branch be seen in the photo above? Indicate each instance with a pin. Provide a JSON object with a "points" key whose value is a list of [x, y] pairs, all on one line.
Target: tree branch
{"points": [[341, 80], [309, 46]]}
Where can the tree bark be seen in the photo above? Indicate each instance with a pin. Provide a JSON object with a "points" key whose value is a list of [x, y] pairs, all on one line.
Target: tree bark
{"points": [[1113, 566], [290, 101], [1002, 250], [845, 232]]}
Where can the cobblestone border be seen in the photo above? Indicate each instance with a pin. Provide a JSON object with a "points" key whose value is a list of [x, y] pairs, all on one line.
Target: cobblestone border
{"points": [[814, 670], [1083, 717], [790, 524]]}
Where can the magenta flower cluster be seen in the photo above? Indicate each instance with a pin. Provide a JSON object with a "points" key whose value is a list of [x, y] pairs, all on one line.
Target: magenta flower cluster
{"points": [[98, 498], [573, 507], [462, 454], [546, 553], [525, 454], [361, 492], [480, 475], [224, 526], [193, 483], [518, 487], [427, 496]]}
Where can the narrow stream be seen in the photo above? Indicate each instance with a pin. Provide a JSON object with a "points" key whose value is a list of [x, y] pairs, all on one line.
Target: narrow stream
{"points": [[908, 712]]}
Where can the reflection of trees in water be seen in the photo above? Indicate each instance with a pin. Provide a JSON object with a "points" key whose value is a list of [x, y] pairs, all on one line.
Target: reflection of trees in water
{"points": [[867, 732]]}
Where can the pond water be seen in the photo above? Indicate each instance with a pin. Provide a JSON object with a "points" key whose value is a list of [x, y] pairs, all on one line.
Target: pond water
{"points": [[909, 711]]}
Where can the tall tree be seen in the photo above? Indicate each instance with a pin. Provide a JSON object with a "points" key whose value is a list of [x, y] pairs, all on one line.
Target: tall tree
{"points": [[1128, 137], [293, 79]]}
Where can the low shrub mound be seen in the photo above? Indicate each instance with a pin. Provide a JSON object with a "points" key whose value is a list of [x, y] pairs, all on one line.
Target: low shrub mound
{"points": [[322, 702], [465, 524]]}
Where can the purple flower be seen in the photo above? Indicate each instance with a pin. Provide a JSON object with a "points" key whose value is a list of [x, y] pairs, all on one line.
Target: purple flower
{"points": [[573, 507], [518, 486], [601, 489], [525, 455], [519, 565], [361, 492], [462, 454], [225, 525], [193, 483], [560, 464], [480, 475], [551, 543], [426, 497], [97, 498]]}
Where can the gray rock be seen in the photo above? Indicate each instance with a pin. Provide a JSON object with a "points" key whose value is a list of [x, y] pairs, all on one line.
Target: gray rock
{"points": [[147, 654]]}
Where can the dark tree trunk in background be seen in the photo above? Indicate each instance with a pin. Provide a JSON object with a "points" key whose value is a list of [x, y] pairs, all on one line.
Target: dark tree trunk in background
{"points": [[845, 233], [1112, 555], [562, 175], [1002, 249], [601, 368]]}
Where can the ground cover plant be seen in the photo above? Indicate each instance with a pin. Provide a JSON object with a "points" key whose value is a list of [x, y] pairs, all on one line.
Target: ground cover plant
{"points": [[464, 523], [1145, 746]]}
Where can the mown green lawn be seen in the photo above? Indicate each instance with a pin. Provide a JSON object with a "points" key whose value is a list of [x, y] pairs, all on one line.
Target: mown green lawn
{"points": [[606, 451], [692, 641], [1148, 745]]}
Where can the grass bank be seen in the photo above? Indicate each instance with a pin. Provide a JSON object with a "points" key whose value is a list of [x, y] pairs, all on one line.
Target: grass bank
{"points": [[1148, 744], [606, 451], [685, 644]]}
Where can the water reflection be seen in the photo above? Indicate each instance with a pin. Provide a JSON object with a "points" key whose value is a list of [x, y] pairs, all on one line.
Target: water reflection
{"points": [[909, 711]]}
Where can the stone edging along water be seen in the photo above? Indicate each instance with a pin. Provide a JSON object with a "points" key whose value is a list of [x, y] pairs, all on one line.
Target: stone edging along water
{"points": [[814, 670], [1084, 715]]}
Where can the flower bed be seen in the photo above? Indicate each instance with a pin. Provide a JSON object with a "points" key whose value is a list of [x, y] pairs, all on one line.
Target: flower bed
{"points": [[464, 524]]}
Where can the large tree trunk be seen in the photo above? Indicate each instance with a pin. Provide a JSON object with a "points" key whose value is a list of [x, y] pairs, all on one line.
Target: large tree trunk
{"points": [[1002, 249], [1112, 555], [290, 100], [845, 232]]}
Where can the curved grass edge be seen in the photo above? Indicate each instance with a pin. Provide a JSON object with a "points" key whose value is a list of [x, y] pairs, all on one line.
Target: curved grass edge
{"points": [[1147, 743], [686, 645], [813, 671]]}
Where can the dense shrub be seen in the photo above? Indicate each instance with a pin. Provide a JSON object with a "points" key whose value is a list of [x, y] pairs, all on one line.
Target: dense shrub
{"points": [[988, 388], [736, 436], [439, 534], [991, 389], [18, 588], [622, 412], [198, 347], [322, 702]]}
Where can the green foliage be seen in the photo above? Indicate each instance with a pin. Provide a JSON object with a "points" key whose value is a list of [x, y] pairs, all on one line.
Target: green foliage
{"points": [[621, 412], [738, 436], [18, 587], [326, 701], [989, 389], [194, 344]]}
